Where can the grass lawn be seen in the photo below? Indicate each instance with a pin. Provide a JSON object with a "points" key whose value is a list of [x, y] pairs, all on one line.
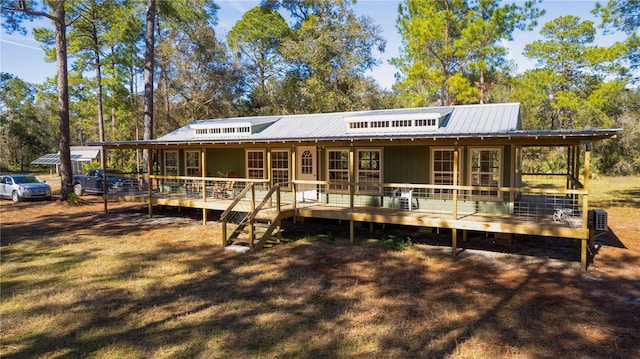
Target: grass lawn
{"points": [[76, 283]]}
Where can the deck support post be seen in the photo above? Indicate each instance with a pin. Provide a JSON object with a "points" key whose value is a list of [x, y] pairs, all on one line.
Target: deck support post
{"points": [[224, 232], [464, 235], [583, 254], [279, 232], [454, 242], [351, 230]]}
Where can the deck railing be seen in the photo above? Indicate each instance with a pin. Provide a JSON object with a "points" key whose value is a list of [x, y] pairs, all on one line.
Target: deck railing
{"points": [[565, 206], [205, 188], [529, 204]]}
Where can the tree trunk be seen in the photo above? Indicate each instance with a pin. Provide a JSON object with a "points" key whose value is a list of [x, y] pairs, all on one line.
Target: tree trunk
{"points": [[482, 92], [99, 95], [148, 77], [66, 171]]}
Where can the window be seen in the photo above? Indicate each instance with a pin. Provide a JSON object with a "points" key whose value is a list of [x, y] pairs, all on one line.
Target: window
{"points": [[485, 170], [442, 170], [369, 170], [192, 163], [255, 164], [280, 167], [338, 170], [306, 163], [171, 163]]}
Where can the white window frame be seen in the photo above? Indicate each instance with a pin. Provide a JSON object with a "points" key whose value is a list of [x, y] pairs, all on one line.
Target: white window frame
{"points": [[275, 168], [250, 170], [194, 170], [166, 166], [367, 186], [494, 171], [333, 187], [441, 191]]}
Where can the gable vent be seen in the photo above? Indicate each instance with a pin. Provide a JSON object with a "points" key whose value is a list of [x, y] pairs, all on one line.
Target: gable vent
{"points": [[394, 123], [229, 128]]}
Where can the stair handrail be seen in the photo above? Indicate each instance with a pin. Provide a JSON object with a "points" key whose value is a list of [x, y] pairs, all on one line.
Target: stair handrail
{"points": [[223, 216], [238, 198], [251, 217]]}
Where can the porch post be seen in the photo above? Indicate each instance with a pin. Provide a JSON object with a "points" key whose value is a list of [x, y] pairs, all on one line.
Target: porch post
{"points": [[269, 173], [103, 160], [585, 206], [203, 184], [576, 161], [352, 176], [569, 173], [352, 189], [149, 183], [294, 170], [456, 155], [512, 177]]}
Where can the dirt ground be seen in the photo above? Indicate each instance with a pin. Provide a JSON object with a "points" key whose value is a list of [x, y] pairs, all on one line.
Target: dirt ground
{"points": [[608, 294]]}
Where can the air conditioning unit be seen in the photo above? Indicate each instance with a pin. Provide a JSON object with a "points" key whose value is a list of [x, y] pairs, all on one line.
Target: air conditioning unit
{"points": [[598, 220]]}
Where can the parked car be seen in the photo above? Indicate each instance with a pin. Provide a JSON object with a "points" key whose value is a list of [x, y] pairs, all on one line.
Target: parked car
{"points": [[92, 182], [23, 186]]}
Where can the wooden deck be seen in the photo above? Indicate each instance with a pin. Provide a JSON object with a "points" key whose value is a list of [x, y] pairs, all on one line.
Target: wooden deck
{"points": [[482, 222]]}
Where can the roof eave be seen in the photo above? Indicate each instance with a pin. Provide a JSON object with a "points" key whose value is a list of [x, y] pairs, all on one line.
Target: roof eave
{"points": [[594, 135]]}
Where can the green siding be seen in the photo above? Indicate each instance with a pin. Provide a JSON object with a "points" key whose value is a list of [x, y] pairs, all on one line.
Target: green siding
{"points": [[406, 164], [221, 161]]}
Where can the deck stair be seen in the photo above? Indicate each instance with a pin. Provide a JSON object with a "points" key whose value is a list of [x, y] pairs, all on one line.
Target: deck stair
{"points": [[253, 225]]}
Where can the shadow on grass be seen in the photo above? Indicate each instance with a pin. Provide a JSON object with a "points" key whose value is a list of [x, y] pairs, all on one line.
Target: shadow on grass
{"points": [[327, 299], [620, 198]]}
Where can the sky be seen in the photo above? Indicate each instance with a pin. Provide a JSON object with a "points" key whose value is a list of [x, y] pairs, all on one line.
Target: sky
{"points": [[23, 57]]}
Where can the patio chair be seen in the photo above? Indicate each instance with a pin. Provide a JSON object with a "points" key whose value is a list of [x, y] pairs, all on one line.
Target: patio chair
{"points": [[223, 189], [401, 194]]}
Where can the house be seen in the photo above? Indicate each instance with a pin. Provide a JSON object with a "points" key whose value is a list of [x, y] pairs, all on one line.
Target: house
{"points": [[456, 167], [80, 156]]}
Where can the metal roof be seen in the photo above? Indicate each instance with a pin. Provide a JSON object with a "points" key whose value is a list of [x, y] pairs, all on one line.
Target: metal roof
{"points": [[464, 121], [468, 119], [78, 153]]}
